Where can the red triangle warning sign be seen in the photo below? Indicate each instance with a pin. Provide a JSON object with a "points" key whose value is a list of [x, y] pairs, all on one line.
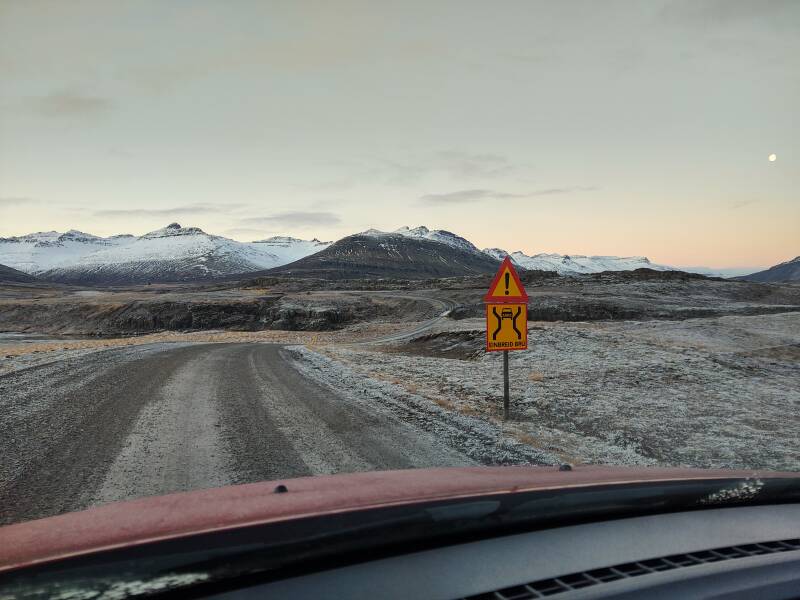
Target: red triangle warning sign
{"points": [[506, 286]]}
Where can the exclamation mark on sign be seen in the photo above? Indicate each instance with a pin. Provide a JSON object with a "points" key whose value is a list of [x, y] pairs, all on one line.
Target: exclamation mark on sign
{"points": [[507, 276]]}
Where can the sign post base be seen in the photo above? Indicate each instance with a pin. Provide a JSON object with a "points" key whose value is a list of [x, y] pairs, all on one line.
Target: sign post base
{"points": [[505, 385]]}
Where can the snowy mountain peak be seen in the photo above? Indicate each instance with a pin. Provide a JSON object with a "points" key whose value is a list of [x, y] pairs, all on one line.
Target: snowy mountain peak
{"points": [[571, 264], [496, 253], [79, 236], [34, 238], [172, 253], [287, 249], [373, 232], [422, 232], [173, 229], [281, 239]]}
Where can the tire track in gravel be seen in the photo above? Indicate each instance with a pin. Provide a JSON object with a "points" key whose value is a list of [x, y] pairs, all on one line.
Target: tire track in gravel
{"points": [[331, 432], [62, 439]]}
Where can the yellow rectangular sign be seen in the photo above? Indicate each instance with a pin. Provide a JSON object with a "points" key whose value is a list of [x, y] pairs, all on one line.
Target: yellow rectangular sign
{"points": [[506, 327]]}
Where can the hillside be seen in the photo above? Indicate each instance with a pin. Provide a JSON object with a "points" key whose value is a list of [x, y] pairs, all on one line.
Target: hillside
{"points": [[384, 255], [785, 271], [9, 275]]}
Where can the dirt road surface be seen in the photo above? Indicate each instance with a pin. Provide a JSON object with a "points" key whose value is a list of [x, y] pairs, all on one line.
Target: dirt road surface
{"points": [[148, 420]]}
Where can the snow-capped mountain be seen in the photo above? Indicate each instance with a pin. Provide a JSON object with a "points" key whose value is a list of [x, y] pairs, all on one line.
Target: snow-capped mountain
{"points": [[403, 254], [173, 253], [38, 252], [289, 249], [561, 263], [176, 253], [566, 264], [423, 233]]}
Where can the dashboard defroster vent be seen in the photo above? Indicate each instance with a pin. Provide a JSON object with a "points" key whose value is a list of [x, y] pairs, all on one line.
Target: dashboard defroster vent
{"points": [[574, 581]]}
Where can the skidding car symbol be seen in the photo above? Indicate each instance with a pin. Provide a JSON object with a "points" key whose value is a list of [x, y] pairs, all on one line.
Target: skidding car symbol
{"points": [[506, 313]]}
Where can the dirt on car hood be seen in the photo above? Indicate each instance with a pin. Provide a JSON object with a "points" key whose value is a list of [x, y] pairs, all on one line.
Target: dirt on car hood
{"points": [[135, 522]]}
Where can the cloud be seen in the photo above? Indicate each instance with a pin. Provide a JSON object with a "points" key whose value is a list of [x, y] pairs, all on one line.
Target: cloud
{"points": [[244, 231], [295, 219], [736, 204], [456, 164], [480, 194], [716, 13], [17, 201], [468, 196], [66, 104], [194, 209], [329, 186], [562, 190], [469, 164]]}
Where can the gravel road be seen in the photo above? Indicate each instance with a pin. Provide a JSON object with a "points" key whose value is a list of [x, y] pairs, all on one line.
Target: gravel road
{"points": [[161, 418]]}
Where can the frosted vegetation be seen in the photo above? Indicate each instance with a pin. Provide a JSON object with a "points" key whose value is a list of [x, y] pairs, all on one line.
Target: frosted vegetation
{"points": [[719, 392]]}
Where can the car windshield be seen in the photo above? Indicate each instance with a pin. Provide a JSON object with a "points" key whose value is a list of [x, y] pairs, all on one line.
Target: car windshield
{"points": [[251, 242]]}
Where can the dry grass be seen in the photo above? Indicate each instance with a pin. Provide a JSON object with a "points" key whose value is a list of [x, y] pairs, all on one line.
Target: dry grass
{"points": [[445, 404], [528, 439], [314, 339], [470, 411]]}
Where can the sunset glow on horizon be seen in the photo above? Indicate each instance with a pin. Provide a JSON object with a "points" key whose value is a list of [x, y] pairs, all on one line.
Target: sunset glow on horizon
{"points": [[635, 129]]}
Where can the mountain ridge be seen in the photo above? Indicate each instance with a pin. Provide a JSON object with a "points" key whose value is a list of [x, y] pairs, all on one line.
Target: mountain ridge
{"points": [[169, 254], [175, 253], [373, 254], [788, 270], [9, 275]]}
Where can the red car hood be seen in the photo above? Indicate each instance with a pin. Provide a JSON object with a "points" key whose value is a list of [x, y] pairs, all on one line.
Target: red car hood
{"points": [[125, 524]]}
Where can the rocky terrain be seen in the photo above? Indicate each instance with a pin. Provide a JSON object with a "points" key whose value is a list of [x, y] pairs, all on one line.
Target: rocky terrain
{"points": [[641, 294], [285, 303], [135, 312]]}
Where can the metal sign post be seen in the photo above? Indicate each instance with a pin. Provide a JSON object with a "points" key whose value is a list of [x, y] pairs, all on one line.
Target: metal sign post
{"points": [[506, 319], [505, 385]]}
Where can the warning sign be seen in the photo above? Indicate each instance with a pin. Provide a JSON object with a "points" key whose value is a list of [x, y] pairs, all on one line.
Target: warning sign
{"points": [[506, 311], [506, 286], [506, 327]]}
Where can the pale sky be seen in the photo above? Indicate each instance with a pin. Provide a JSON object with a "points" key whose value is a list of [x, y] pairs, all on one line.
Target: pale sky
{"points": [[628, 128]]}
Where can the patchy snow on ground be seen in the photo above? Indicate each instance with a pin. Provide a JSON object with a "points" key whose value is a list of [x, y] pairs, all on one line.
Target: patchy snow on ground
{"points": [[719, 392]]}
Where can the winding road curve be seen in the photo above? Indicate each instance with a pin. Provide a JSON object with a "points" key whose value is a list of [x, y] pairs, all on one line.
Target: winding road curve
{"points": [[441, 305], [155, 419]]}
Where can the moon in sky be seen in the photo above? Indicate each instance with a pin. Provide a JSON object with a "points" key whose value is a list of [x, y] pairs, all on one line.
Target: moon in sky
{"points": [[773, 157]]}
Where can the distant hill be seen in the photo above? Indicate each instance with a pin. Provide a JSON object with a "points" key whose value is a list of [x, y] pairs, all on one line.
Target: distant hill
{"points": [[375, 254], [9, 275], [785, 271]]}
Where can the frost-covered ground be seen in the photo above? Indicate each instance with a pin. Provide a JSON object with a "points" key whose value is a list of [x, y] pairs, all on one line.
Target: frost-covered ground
{"points": [[716, 392]]}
